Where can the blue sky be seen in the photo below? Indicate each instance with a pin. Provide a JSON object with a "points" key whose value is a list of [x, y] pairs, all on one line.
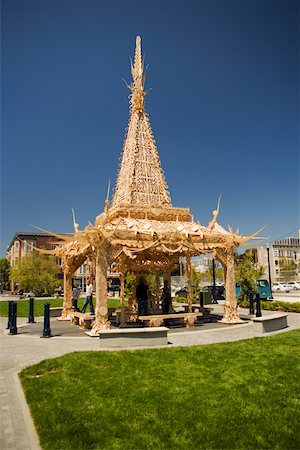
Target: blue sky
{"points": [[223, 106]]}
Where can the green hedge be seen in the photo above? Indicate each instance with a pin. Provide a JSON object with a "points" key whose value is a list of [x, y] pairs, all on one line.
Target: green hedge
{"points": [[274, 306]]}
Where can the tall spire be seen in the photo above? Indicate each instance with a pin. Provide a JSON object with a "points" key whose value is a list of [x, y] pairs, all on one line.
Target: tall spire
{"points": [[138, 76], [141, 180]]}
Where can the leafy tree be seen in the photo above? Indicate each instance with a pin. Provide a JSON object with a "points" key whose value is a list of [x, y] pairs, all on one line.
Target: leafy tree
{"points": [[129, 284], [246, 273], [195, 281], [4, 272], [36, 273], [288, 268]]}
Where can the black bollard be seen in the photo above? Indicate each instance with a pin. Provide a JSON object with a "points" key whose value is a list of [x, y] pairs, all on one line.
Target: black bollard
{"points": [[258, 310], [13, 319], [31, 311], [46, 330], [251, 304], [201, 299], [9, 314]]}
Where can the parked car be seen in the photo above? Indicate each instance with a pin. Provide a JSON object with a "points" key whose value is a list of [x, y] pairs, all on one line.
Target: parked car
{"points": [[220, 291], [182, 292], [280, 287], [293, 284], [262, 288]]}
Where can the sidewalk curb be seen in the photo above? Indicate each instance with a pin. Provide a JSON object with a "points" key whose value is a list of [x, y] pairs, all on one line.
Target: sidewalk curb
{"points": [[31, 431]]}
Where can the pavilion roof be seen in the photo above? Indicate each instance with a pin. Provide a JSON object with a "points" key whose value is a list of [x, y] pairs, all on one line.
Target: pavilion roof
{"points": [[140, 179]]}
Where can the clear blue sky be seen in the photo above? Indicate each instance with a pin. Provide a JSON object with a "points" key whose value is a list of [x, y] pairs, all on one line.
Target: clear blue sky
{"points": [[223, 108]]}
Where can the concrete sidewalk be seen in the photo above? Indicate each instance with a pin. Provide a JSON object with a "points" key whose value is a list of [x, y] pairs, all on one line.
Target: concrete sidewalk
{"points": [[27, 348]]}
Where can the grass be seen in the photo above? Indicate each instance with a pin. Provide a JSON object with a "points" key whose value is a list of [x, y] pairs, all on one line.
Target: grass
{"points": [[23, 306], [240, 395]]}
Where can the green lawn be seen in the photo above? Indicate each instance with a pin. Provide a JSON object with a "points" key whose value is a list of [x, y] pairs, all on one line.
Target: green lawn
{"points": [[23, 306], [241, 395]]}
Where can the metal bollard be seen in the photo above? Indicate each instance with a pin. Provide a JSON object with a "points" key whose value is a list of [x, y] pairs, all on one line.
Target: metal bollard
{"points": [[31, 311], [258, 310], [201, 299], [251, 304], [46, 330], [13, 319], [9, 314]]}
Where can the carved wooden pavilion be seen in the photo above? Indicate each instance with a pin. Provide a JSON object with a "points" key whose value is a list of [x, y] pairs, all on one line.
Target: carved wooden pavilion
{"points": [[141, 231]]}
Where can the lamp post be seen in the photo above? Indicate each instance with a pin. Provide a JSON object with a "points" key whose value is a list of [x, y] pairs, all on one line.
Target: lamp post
{"points": [[270, 280]]}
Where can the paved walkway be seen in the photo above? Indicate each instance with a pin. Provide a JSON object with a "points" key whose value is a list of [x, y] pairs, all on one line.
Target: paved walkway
{"points": [[27, 348]]}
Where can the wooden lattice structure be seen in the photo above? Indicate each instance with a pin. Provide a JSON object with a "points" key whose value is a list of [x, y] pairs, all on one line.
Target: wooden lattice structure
{"points": [[141, 230]]}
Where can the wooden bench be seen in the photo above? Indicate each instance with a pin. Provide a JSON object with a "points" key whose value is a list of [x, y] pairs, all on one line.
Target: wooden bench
{"points": [[84, 320], [133, 337], [266, 324], [188, 319]]}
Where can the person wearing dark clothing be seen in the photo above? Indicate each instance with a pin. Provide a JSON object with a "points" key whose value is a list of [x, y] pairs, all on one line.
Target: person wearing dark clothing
{"points": [[75, 296], [166, 298], [142, 298]]}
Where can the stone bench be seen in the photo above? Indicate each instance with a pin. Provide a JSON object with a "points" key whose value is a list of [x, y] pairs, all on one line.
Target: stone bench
{"points": [[188, 319], [56, 312], [270, 323], [195, 308], [84, 320], [133, 337]]}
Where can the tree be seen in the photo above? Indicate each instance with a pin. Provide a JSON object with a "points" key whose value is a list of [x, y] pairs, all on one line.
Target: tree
{"points": [[195, 278], [4, 273], [36, 273], [288, 268], [246, 274]]}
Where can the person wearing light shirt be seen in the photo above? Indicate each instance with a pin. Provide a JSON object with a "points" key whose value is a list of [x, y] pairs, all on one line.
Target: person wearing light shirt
{"points": [[89, 298]]}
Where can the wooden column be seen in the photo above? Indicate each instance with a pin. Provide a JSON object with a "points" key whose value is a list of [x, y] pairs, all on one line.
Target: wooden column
{"points": [[67, 303], [101, 320], [231, 314], [122, 292], [132, 302], [188, 274]]}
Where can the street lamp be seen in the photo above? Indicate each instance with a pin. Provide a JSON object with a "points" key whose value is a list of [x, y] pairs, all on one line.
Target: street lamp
{"points": [[270, 281]]}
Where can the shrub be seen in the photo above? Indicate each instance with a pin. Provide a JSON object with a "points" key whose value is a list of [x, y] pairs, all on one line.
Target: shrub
{"points": [[274, 306]]}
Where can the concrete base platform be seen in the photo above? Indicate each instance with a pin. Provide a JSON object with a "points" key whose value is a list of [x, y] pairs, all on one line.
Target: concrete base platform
{"points": [[270, 323], [133, 337]]}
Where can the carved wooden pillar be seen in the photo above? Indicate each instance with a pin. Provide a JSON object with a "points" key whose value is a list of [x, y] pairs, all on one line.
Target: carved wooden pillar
{"points": [[188, 274], [101, 320], [231, 314], [67, 302], [132, 302], [122, 292]]}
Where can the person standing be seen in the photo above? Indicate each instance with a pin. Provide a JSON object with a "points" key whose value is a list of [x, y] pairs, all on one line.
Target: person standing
{"points": [[75, 296], [142, 297], [166, 298], [89, 298]]}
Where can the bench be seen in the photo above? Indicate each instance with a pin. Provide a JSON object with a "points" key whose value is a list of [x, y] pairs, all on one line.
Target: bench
{"points": [[133, 337], [270, 323], [56, 312], [188, 319], [84, 320], [197, 308]]}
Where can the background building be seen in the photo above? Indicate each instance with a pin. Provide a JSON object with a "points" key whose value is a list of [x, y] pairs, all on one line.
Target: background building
{"points": [[284, 258]]}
